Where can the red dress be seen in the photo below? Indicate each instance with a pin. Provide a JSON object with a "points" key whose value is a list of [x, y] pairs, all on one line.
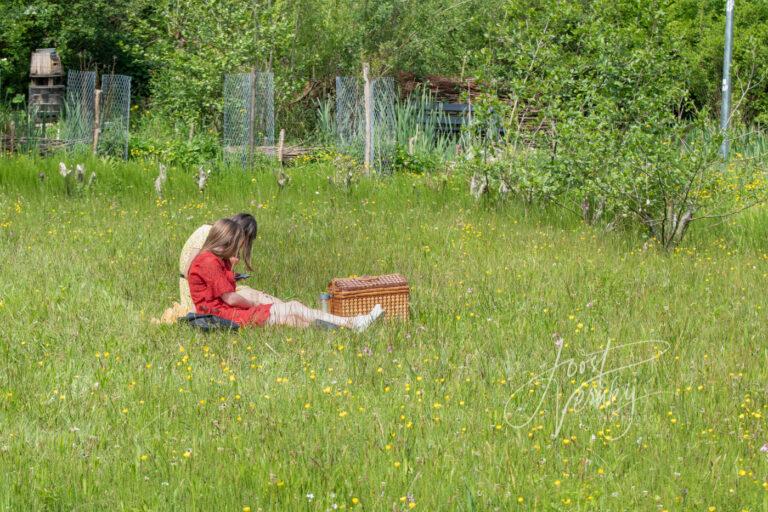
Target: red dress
{"points": [[209, 278]]}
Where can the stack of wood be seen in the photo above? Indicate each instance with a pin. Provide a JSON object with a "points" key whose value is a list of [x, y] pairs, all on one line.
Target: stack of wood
{"points": [[453, 98], [289, 152], [443, 88], [10, 143]]}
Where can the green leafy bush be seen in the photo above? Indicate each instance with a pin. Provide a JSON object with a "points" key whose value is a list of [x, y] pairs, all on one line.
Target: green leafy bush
{"points": [[418, 162], [157, 139]]}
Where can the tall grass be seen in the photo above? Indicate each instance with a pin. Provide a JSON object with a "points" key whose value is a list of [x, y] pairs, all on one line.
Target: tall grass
{"points": [[325, 131], [102, 410], [748, 141], [417, 126], [20, 124]]}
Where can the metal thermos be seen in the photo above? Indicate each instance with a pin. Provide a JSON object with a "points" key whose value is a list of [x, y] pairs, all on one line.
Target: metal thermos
{"points": [[325, 302]]}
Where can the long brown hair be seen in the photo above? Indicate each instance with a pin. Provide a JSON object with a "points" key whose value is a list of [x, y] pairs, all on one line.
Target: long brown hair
{"points": [[225, 239], [250, 228]]}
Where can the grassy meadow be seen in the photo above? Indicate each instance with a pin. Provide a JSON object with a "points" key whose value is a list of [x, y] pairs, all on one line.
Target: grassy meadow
{"points": [[474, 404]]}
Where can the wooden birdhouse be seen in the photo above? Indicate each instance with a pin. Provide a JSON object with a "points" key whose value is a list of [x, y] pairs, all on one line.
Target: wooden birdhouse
{"points": [[46, 87]]}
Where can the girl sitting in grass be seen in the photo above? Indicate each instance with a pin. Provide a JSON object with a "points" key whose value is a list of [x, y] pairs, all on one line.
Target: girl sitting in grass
{"points": [[192, 247], [213, 290]]}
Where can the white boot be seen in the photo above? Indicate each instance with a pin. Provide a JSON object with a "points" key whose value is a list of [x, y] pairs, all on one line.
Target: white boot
{"points": [[362, 322]]}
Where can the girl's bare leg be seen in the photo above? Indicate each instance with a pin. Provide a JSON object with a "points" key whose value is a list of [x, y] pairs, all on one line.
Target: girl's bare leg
{"points": [[296, 314], [257, 296]]}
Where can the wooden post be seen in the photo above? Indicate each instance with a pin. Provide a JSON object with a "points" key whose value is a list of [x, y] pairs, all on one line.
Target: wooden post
{"points": [[280, 143], [368, 118], [96, 120], [469, 104], [251, 118]]}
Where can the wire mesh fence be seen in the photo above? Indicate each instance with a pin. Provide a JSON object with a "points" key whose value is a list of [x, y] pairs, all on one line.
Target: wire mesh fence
{"points": [[22, 132], [79, 108], [115, 115], [249, 116], [350, 119], [384, 139], [350, 115], [237, 113], [264, 107]]}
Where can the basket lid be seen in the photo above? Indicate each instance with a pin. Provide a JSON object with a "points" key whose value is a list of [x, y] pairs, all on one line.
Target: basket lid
{"points": [[366, 282]]}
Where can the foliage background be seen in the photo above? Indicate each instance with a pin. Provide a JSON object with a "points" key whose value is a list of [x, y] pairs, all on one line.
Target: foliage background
{"points": [[178, 50]]}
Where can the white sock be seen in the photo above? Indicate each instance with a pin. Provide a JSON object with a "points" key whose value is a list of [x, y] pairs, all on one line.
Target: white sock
{"points": [[362, 322]]}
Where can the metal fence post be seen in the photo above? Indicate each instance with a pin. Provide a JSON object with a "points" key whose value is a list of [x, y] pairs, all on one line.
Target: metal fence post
{"points": [[726, 103]]}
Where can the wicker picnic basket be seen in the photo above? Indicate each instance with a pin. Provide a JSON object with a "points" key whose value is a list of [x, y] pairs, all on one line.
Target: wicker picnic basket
{"points": [[357, 295]]}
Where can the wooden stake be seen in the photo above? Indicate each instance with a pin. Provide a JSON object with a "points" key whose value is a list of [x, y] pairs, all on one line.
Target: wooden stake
{"points": [[368, 118], [96, 120], [469, 103], [280, 143]]}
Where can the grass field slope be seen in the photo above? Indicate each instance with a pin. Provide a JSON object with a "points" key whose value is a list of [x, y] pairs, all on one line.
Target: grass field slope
{"points": [[547, 365]]}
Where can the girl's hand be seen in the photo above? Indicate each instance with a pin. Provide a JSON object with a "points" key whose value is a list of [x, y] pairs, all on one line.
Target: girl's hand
{"points": [[234, 260]]}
